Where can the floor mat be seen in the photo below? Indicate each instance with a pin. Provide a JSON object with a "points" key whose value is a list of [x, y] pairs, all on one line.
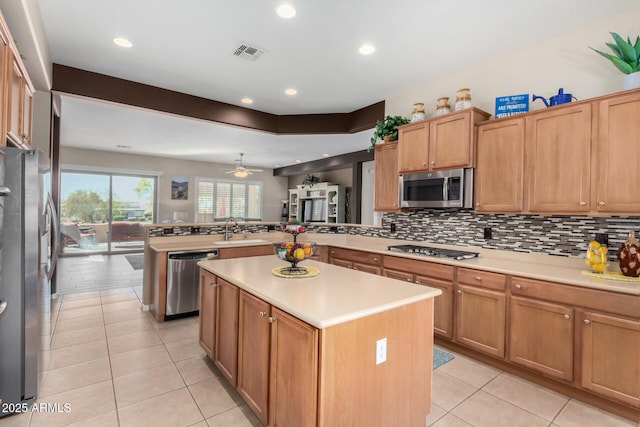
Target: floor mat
{"points": [[440, 357], [136, 261]]}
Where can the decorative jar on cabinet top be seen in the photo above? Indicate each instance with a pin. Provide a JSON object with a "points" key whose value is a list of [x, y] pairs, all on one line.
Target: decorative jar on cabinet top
{"points": [[463, 99], [417, 113], [629, 256], [443, 106]]}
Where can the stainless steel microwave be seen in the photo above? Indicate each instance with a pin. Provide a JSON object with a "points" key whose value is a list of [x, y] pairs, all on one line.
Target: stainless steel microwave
{"points": [[449, 188]]}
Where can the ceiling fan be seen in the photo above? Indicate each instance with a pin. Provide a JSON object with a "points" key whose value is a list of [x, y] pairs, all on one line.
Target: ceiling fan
{"points": [[240, 170]]}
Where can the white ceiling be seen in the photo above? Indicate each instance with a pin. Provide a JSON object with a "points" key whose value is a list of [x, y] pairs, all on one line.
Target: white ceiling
{"points": [[187, 46]]}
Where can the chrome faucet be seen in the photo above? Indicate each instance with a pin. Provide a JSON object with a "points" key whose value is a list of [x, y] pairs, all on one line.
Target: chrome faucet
{"points": [[227, 235]]}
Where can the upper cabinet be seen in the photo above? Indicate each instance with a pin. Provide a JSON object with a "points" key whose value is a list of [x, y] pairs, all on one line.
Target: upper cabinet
{"points": [[559, 159], [618, 154], [500, 166], [16, 93], [581, 158], [440, 142], [386, 177]]}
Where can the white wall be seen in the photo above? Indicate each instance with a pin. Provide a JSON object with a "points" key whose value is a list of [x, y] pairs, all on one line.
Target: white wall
{"points": [[275, 188], [560, 61]]}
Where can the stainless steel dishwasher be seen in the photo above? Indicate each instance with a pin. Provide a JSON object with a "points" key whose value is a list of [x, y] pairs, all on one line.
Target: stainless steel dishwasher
{"points": [[183, 282]]}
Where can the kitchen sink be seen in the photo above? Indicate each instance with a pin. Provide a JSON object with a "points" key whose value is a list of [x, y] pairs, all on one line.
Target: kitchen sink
{"points": [[240, 242]]}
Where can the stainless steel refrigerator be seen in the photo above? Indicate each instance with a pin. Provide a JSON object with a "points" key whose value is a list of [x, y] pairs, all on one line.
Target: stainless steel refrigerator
{"points": [[28, 248]]}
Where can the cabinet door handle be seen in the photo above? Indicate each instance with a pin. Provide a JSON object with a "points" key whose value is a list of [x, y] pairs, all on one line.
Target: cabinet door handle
{"points": [[477, 203], [583, 203], [459, 292], [418, 282], [433, 162], [518, 286], [566, 316], [601, 203], [355, 268], [263, 313], [479, 279], [272, 319], [375, 259], [587, 321], [409, 279], [333, 252]]}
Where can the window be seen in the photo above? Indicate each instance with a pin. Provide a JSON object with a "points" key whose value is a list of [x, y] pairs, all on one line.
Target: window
{"points": [[218, 198]]}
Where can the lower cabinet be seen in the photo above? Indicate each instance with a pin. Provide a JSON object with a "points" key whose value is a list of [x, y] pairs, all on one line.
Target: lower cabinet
{"points": [[356, 260], [480, 314], [207, 312], [541, 337], [293, 378], [429, 274], [611, 356], [253, 353], [277, 364], [225, 350]]}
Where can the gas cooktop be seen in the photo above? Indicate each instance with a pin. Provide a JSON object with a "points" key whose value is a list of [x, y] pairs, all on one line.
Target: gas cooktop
{"points": [[433, 252]]}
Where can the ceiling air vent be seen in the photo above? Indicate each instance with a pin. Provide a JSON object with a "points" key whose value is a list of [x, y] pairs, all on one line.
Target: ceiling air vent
{"points": [[246, 51]]}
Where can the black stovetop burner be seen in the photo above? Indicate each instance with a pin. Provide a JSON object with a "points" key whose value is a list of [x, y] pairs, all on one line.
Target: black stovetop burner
{"points": [[434, 252]]}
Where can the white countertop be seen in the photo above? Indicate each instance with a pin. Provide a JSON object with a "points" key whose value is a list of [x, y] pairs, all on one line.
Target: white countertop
{"points": [[334, 296], [566, 270]]}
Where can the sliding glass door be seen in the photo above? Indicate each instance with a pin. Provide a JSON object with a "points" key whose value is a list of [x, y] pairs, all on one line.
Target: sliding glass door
{"points": [[104, 212]]}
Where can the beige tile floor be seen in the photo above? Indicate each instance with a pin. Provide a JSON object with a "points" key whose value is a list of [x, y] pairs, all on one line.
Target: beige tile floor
{"points": [[115, 366]]}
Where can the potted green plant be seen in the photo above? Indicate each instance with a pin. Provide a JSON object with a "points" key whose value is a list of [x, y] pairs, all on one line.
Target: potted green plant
{"points": [[626, 58], [387, 129], [309, 180]]}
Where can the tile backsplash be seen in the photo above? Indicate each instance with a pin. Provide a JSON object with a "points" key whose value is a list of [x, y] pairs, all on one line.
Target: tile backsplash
{"points": [[563, 235]]}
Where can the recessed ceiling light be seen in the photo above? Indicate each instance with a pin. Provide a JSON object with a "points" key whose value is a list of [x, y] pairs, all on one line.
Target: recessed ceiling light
{"points": [[286, 11], [298, 161], [122, 42], [247, 100], [291, 91], [367, 49], [276, 166], [325, 155]]}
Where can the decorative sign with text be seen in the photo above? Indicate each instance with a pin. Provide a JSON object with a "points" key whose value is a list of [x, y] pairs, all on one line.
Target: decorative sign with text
{"points": [[511, 105]]}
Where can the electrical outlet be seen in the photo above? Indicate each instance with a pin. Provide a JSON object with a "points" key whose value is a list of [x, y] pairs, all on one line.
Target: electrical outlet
{"points": [[271, 227], [167, 231], [381, 351], [195, 230], [393, 228], [488, 233], [333, 229]]}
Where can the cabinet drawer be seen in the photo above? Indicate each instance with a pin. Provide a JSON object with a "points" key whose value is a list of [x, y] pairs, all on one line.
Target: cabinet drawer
{"points": [[423, 268], [358, 256], [622, 304], [482, 278]]}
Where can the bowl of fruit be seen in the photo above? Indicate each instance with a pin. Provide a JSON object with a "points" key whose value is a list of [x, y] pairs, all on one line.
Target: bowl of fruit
{"points": [[293, 253], [596, 257]]}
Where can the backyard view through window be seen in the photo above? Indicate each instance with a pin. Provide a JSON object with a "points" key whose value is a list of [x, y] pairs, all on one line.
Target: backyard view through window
{"points": [[104, 212]]}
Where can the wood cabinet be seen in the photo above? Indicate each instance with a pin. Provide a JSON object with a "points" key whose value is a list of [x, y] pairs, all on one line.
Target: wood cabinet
{"points": [[386, 177], [356, 260], [4, 59], [293, 376], [541, 336], [441, 142], [618, 154], [558, 168], [480, 311], [207, 312], [610, 356], [245, 251], [429, 274], [499, 173], [19, 101], [253, 353], [225, 350]]}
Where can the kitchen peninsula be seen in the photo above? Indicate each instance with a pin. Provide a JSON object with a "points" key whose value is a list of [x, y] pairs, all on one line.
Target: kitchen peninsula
{"points": [[341, 348]]}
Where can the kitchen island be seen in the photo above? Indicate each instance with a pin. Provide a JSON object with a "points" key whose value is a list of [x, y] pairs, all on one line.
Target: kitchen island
{"points": [[341, 348]]}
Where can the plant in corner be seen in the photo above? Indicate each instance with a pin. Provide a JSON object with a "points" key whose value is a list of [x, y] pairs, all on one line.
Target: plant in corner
{"points": [[387, 127], [626, 55]]}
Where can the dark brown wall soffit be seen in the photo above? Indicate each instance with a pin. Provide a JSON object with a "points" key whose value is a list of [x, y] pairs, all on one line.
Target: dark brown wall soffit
{"points": [[99, 86], [330, 163]]}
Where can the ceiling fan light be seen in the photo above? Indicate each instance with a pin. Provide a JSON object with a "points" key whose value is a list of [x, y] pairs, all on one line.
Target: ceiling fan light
{"points": [[240, 173]]}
